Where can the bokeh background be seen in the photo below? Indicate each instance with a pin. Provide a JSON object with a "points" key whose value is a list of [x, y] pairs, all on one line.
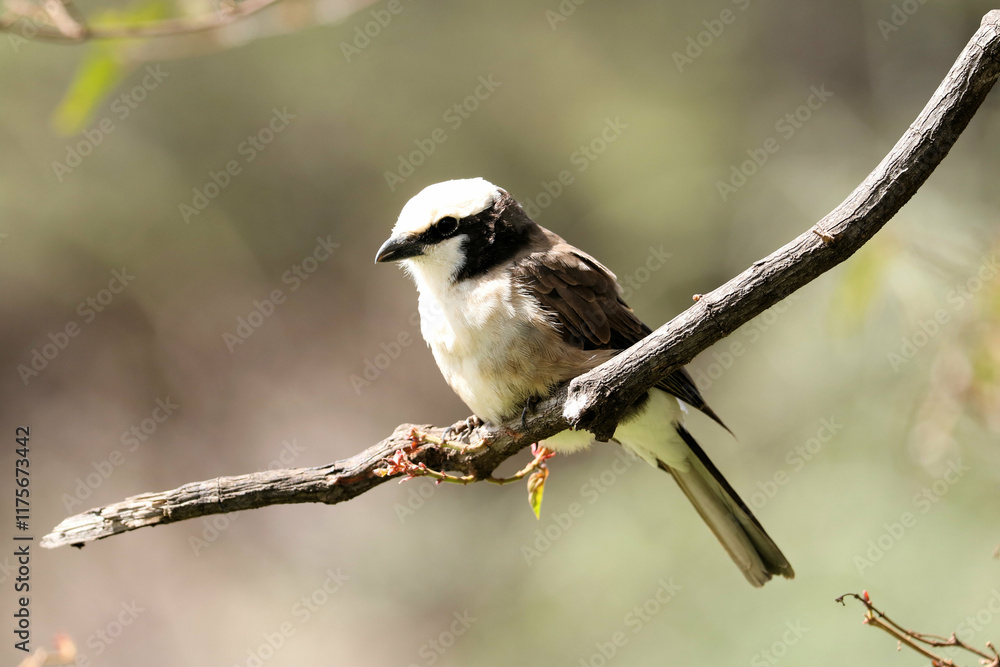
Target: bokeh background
{"points": [[850, 405]]}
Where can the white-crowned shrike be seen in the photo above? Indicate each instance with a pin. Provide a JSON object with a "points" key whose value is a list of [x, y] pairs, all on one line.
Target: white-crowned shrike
{"points": [[510, 310]]}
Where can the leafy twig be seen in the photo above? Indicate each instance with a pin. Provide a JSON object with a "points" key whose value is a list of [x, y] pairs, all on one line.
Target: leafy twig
{"points": [[400, 464]]}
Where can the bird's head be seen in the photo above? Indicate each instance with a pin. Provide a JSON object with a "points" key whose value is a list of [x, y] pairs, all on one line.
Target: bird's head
{"points": [[457, 230]]}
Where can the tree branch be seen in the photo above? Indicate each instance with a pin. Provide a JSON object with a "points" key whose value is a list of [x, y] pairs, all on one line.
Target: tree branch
{"points": [[595, 400], [330, 484]]}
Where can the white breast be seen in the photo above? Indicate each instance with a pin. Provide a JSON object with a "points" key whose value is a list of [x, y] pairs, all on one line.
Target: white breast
{"points": [[490, 341]]}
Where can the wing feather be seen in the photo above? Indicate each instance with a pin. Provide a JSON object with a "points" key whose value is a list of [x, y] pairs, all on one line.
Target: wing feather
{"points": [[584, 298]]}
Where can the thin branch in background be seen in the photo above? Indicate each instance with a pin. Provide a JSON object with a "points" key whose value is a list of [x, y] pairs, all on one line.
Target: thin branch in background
{"points": [[186, 25], [596, 400], [231, 24], [921, 642], [292, 16], [71, 27]]}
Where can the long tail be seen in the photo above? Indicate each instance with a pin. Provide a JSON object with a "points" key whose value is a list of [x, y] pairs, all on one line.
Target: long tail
{"points": [[746, 541]]}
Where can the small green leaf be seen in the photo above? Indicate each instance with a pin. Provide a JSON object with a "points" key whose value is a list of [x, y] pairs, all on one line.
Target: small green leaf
{"points": [[102, 69], [100, 72], [536, 488]]}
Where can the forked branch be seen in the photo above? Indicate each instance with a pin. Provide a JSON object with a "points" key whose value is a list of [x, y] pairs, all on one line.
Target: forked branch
{"points": [[922, 642]]}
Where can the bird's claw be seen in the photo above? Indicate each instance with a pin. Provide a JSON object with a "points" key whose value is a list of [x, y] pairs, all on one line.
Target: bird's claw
{"points": [[459, 431]]}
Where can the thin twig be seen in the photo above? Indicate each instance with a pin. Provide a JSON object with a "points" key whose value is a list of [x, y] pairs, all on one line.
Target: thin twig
{"points": [[400, 464], [542, 454], [919, 641]]}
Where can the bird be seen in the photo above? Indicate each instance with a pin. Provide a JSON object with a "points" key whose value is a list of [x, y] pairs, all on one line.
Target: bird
{"points": [[510, 311]]}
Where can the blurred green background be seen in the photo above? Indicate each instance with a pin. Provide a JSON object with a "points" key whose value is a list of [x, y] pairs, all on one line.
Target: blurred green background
{"points": [[854, 403]]}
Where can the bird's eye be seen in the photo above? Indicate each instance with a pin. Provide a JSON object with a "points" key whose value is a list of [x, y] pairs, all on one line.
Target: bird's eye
{"points": [[447, 226]]}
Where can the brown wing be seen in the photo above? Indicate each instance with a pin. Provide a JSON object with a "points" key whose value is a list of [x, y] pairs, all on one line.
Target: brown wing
{"points": [[586, 300]]}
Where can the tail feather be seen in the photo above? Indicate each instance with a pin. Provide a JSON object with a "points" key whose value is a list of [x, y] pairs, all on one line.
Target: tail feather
{"points": [[746, 541]]}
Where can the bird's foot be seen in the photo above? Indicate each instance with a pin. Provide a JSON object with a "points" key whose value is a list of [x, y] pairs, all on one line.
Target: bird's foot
{"points": [[460, 431]]}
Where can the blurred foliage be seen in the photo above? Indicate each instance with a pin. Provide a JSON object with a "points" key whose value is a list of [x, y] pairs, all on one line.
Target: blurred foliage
{"points": [[859, 287], [99, 74], [837, 439], [102, 69]]}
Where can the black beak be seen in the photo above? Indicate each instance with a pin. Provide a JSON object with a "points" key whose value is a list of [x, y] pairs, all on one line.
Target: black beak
{"points": [[399, 247]]}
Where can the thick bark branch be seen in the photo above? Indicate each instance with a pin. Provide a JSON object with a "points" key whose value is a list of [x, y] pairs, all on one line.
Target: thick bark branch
{"points": [[595, 401], [328, 484]]}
